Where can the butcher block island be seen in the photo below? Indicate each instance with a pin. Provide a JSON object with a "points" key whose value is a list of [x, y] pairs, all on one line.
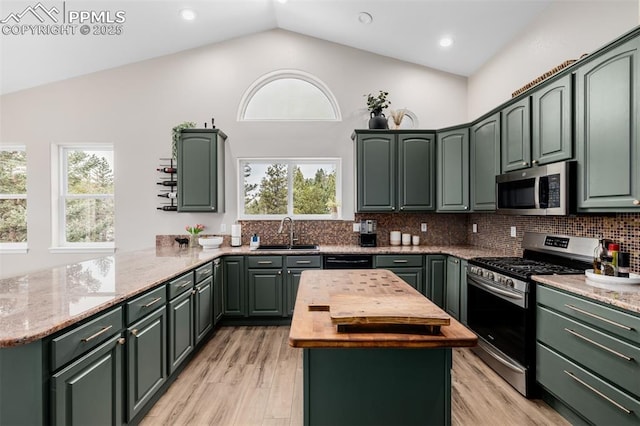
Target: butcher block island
{"points": [[376, 351]]}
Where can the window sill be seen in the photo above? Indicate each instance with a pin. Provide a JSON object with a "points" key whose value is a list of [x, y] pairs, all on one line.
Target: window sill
{"points": [[16, 250], [73, 250]]}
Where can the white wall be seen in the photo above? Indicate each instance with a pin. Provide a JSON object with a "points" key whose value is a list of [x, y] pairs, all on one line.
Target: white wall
{"points": [[135, 106], [565, 30]]}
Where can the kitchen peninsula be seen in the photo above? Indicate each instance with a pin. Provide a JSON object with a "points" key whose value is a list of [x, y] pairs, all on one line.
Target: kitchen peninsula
{"points": [[388, 372]]}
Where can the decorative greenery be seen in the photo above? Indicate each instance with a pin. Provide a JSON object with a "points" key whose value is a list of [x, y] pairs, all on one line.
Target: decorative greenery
{"points": [[195, 230], [175, 135], [378, 103]]}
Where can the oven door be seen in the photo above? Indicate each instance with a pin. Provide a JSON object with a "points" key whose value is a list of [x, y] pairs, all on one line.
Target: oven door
{"points": [[499, 316]]}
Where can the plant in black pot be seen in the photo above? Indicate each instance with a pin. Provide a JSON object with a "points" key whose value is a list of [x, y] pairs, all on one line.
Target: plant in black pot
{"points": [[376, 104]]}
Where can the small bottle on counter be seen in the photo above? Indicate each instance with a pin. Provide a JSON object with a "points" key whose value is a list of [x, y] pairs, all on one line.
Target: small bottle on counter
{"points": [[607, 266], [623, 264], [598, 254], [255, 242], [614, 249]]}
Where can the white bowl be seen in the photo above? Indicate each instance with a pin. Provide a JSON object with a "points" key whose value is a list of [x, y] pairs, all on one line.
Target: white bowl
{"points": [[210, 243]]}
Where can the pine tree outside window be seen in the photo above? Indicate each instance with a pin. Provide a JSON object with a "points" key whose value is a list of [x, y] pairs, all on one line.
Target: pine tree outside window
{"points": [[300, 188], [13, 199], [85, 202]]}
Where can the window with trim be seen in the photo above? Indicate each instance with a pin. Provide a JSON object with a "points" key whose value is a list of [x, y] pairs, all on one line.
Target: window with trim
{"points": [[302, 188], [13, 197], [86, 213]]}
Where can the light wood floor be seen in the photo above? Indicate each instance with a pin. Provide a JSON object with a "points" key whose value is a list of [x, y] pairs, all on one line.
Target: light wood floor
{"points": [[251, 376]]}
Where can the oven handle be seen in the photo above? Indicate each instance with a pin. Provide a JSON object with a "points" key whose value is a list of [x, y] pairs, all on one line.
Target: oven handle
{"points": [[536, 192], [500, 358], [495, 290]]}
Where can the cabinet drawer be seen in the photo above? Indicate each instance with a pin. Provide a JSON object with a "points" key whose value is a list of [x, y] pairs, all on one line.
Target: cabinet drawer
{"points": [[179, 285], [615, 322], [265, 261], [85, 337], [595, 399], [303, 261], [395, 261], [204, 271], [145, 304], [611, 358]]}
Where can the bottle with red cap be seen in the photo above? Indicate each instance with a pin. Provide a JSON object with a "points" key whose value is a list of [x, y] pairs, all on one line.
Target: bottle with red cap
{"points": [[614, 249]]}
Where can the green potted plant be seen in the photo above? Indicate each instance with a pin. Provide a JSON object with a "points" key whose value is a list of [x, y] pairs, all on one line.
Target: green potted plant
{"points": [[175, 136], [376, 104]]}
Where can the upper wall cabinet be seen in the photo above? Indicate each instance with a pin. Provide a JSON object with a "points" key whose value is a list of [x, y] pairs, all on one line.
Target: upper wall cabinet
{"points": [[395, 171], [452, 148], [607, 116], [516, 135], [201, 171], [484, 162], [552, 121]]}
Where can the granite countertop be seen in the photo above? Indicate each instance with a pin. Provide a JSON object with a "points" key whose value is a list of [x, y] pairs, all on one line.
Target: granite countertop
{"points": [[38, 304], [622, 296]]}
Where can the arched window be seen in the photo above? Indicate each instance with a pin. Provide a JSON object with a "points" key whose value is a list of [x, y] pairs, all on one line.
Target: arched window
{"points": [[288, 95]]}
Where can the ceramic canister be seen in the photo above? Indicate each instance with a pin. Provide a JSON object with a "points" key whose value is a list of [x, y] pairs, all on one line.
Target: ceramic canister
{"points": [[395, 238]]}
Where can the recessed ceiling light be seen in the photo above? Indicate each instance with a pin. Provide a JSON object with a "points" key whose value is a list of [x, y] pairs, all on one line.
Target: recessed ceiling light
{"points": [[365, 18], [446, 41], [188, 14]]}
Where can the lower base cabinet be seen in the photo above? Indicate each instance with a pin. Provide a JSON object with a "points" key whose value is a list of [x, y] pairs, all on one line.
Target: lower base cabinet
{"points": [[90, 390], [436, 277], [181, 336], [146, 360], [295, 266], [452, 287], [409, 268], [218, 296], [203, 305]]}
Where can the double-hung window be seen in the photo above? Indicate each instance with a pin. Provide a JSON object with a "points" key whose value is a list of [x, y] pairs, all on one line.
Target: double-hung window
{"points": [[13, 198], [85, 202], [303, 188]]}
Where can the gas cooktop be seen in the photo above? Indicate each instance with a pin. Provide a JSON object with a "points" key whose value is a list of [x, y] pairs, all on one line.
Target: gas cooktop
{"points": [[523, 268]]}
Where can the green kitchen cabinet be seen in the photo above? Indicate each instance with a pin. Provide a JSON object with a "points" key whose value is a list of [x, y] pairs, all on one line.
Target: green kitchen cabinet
{"points": [[436, 274], [181, 335], [409, 268], [453, 287], [484, 162], [552, 121], [452, 147], [201, 170], [90, 390], [203, 305], [218, 295], [516, 135], [395, 171], [607, 141], [463, 291], [265, 292], [295, 266], [234, 294], [146, 359]]}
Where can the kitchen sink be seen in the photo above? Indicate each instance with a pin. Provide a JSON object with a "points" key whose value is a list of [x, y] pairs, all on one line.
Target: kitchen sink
{"points": [[288, 247]]}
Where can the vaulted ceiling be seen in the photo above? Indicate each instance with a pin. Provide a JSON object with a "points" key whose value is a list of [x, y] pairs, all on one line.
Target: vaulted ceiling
{"points": [[408, 30]]}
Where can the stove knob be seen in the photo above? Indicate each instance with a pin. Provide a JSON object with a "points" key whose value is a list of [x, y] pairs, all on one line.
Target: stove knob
{"points": [[489, 275], [501, 279], [509, 282]]}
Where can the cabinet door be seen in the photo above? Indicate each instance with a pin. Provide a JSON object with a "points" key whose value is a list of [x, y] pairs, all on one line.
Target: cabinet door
{"points": [[203, 304], [89, 391], [265, 292], [452, 301], [516, 136], [453, 170], [235, 304], [293, 282], [218, 301], [485, 162], [180, 329], [463, 291], [416, 172], [376, 172], [608, 150], [436, 275], [200, 157], [552, 122], [146, 360], [412, 276]]}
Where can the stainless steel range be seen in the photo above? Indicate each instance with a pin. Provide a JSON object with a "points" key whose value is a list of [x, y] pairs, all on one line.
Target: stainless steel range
{"points": [[501, 301]]}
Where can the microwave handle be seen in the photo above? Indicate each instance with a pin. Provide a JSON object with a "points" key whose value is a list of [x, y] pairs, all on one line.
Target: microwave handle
{"points": [[536, 192]]}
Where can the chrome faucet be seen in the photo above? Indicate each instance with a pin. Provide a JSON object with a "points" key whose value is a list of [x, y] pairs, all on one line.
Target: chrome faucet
{"points": [[290, 229]]}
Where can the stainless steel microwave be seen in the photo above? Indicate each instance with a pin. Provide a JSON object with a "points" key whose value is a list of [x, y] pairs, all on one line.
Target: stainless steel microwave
{"points": [[542, 190]]}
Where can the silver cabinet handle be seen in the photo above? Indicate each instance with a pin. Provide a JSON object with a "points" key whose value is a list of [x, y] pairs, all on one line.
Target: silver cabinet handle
{"points": [[303, 262], [93, 336], [636, 202], [279, 272], [121, 341], [135, 332], [534, 162], [205, 272], [608, 321], [524, 163], [264, 262], [185, 284], [597, 392], [400, 261], [289, 271], [153, 302], [600, 345], [466, 207]]}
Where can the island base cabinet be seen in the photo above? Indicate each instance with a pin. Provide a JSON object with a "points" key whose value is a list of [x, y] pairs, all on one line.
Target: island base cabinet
{"points": [[89, 391], [590, 397], [382, 386]]}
